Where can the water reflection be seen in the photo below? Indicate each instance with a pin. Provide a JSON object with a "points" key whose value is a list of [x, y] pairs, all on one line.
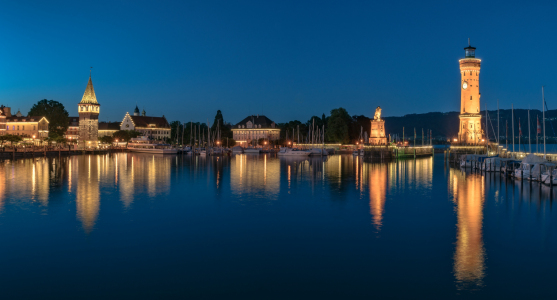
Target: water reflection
{"points": [[468, 193], [256, 175], [87, 201]]}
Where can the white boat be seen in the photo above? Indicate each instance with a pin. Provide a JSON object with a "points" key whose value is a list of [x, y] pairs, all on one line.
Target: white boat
{"points": [[292, 152], [237, 149], [318, 152], [527, 167], [550, 179], [203, 152], [144, 145], [494, 164], [252, 150]]}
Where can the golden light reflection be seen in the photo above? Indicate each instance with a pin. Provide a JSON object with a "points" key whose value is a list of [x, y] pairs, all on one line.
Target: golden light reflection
{"points": [[469, 258], [87, 192], [377, 193], [254, 174]]}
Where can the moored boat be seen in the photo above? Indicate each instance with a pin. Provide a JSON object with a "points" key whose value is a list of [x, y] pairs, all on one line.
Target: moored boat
{"points": [[144, 145], [293, 152]]}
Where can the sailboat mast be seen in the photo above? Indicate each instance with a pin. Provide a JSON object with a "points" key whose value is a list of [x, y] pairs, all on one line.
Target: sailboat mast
{"points": [[529, 140], [543, 120], [486, 132], [512, 125], [498, 135]]}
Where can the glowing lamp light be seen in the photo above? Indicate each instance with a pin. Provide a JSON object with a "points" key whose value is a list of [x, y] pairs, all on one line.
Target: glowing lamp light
{"points": [[455, 140], [33, 136]]}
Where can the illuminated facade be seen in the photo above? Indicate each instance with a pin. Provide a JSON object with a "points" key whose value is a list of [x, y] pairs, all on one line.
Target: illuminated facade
{"points": [[154, 127], [89, 110], [32, 127], [72, 133], [470, 130], [254, 128]]}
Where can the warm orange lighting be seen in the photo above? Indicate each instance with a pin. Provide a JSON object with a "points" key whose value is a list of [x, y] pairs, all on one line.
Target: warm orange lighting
{"points": [[33, 136], [265, 143], [356, 143], [455, 140]]}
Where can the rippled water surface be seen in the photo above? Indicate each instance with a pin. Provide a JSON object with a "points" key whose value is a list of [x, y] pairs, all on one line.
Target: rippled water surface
{"points": [[261, 227]]}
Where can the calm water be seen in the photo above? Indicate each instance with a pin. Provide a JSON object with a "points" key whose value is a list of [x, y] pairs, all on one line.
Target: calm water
{"points": [[260, 227]]}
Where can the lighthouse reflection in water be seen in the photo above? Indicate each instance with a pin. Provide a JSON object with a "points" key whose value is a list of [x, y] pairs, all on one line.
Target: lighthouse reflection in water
{"points": [[333, 226]]}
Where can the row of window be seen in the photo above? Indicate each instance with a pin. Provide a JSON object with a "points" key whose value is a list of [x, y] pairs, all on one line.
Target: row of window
{"points": [[22, 127], [94, 108], [470, 73]]}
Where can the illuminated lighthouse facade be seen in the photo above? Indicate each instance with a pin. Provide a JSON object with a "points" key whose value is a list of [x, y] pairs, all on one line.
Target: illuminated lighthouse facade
{"points": [[470, 131]]}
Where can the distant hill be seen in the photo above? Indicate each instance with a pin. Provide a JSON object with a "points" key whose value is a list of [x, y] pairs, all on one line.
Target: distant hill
{"points": [[445, 125]]}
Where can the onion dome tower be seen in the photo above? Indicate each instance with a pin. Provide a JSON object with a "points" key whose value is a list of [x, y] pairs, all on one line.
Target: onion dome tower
{"points": [[136, 111], [470, 130], [88, 110]]}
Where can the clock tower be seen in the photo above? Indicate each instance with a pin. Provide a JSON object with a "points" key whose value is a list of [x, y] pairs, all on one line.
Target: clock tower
{"points": [[470, 130], [88, 110]]}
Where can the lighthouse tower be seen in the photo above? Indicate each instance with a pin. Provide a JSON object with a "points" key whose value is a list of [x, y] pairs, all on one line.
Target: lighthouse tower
{"points": [[88, 110], [470, 131]]}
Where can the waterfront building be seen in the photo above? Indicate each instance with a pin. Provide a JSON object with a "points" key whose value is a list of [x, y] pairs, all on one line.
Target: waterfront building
{"points": [[108, 128], [154, 127], [377, 133], [29, 127], [255, 127], [72, 133], [470, 130], [89, 110]]}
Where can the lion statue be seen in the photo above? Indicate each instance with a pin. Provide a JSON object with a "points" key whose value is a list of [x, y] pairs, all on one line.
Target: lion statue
{"points": [[377, 113]]}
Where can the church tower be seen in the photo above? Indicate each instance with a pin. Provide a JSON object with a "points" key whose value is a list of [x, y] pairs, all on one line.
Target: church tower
{"points": [[88, 110], [470, 131]]}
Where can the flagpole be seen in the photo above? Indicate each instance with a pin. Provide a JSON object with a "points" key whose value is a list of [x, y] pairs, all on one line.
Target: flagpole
{"points": [[543, 120], [497, 122]]}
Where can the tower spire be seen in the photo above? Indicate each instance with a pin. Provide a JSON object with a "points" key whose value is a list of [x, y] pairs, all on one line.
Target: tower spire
{"points": [[89, 96]]}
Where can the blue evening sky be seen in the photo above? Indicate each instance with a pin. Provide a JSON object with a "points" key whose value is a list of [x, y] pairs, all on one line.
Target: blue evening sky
{"points": [[284, 59]]}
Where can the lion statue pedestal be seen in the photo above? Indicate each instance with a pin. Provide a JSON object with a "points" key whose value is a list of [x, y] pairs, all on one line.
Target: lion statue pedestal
{"points": [[377, 132]]}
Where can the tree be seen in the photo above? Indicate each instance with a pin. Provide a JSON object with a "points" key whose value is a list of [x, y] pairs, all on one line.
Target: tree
{"points": [[224, 130], [106, 139], [125, 135], [175, 126], [55, 113], [231, 142], [339, 122], [10, 138]]}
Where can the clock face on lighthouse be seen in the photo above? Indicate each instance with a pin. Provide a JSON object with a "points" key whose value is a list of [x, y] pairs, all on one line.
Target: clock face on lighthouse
{"points": [[465, 85]]}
